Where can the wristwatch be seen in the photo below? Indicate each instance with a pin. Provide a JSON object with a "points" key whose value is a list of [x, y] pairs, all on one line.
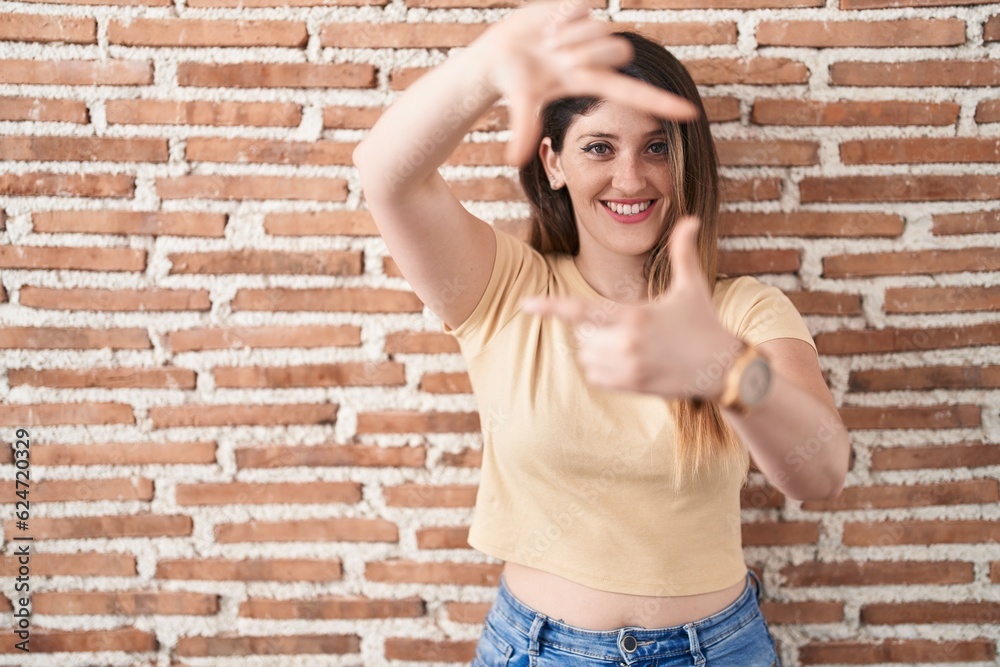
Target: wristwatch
{"points": [[747, 381]]}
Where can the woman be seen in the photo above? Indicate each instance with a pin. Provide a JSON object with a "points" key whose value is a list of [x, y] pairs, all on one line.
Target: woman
{"points": [[623, 386]]}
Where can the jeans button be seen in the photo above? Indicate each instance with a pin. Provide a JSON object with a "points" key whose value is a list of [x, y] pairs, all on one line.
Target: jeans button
{"points": [[629, 643]]}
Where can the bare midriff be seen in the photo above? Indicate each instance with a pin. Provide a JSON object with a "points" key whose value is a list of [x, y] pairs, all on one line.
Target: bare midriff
{"points": [[575, 604]]}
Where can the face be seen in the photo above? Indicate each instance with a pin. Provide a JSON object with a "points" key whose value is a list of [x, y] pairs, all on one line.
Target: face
{"points": [[630, 164]]}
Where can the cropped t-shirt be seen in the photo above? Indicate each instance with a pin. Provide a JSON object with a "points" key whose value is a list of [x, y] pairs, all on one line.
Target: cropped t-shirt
{"points": [[573, 476]]}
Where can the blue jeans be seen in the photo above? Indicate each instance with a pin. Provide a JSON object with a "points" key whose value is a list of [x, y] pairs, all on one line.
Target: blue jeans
{"points": [[515, 635]]}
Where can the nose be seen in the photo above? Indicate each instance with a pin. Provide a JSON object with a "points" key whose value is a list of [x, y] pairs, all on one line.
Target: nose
{"points": [[629, 174]]}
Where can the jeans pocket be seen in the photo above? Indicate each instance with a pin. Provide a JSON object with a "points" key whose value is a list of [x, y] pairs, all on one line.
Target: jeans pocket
{"points": [[492, 649]]}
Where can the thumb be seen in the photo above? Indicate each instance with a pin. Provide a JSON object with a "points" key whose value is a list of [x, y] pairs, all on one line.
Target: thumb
{"points": [[525, 128], [685, 265]]}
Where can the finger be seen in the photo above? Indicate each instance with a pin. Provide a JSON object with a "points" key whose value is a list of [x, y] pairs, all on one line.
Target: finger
{"points": [[570, 34], [526, 127], [634, 93], [685, 265], [571, 309], [564, 11], [605, 51]]}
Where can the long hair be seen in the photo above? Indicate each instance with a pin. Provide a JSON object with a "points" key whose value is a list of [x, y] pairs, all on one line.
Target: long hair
{"points": [[703, 438]]}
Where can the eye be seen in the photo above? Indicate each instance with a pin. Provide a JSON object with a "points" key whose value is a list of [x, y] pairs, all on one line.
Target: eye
{"points": [[663, 144], [591, 147]]}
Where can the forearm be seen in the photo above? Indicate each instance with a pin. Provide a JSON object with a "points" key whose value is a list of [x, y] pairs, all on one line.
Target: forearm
{"points": [[795, 440], [418, 132]]}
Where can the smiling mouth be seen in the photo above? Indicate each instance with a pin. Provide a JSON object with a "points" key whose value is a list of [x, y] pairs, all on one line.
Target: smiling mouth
{"points": [[629, 209]]}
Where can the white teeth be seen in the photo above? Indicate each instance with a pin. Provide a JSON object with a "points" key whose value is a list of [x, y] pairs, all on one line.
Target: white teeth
{"points": [[628, 209]]}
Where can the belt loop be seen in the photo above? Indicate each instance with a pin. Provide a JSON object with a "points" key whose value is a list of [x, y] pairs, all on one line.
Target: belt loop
{"points": [[759, 584], [536, 627], [699, 659]]}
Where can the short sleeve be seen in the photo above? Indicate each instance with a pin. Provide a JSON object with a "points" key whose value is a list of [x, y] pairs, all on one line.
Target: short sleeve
{"points": [[768, 313], [518, 271]]}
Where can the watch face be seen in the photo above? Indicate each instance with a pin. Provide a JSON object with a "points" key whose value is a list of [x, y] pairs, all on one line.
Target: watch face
{"points": [[755, 382]]}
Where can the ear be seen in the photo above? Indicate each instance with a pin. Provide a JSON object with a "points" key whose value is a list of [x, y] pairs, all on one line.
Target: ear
{"points": [[551, 160]]}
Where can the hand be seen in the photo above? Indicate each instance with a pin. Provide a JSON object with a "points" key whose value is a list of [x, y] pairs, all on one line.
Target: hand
{"points": [[550, 49], [675, 347]]}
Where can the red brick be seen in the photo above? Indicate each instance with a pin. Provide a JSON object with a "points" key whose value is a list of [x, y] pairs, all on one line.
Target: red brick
{"points": [[770, 533], [127, 640], [44, 110], [251, 260], [264, 337], [988, 111], [917, 262], [482, 4], [277, 569], [991, 29], [125, 454], [85, 564], [254, 493], [680, 33], [241, 414], [958, 73], [757, 70], [347, 299], [107, 378], [749, 189], [927, 611], [801, 613], [71, 490], [813, 224], [430, 495], [721, 109], [880, 4], [399, 35], [309, 530], [941, 299], [718, 4], [320, 644], [420, 342], [362, 118], [976, 222], [263, 151], [741, 262], [147, 3], [961, 455], [925, 416], [775, 152], [276, 75], [899, 188], [965, 492], [877, 573], [47, 28], [871, 341], [106, 527], [895, 33], [60, 414], [206, 32], [138, 223], [902, 651], [73, 338], [115, 300], [204, 186], [343, 374], [130, 603], [241, 4], [203, 112], [106, 72], [330, 455], [419, 572], [445, 383], [922, 150], [331, 607], [925, 377], [320, 223], [83, 149], [402, 421], [79, 259], [852, 113], [924, 533], [443, 537], [42, 184], [825, 303]]}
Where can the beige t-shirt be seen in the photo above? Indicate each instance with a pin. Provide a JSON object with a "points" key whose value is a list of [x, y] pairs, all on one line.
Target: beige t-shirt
{"points": [[572, 478]]}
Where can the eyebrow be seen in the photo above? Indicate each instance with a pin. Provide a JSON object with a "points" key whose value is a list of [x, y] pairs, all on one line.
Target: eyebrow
{"points": [[605, 135]]}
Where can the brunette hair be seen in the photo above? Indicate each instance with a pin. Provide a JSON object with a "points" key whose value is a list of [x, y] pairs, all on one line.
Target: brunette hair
{"points": [[702, 436]]}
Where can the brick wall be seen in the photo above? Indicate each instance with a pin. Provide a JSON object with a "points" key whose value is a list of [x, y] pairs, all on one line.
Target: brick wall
{"points": [[248, 436]]}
